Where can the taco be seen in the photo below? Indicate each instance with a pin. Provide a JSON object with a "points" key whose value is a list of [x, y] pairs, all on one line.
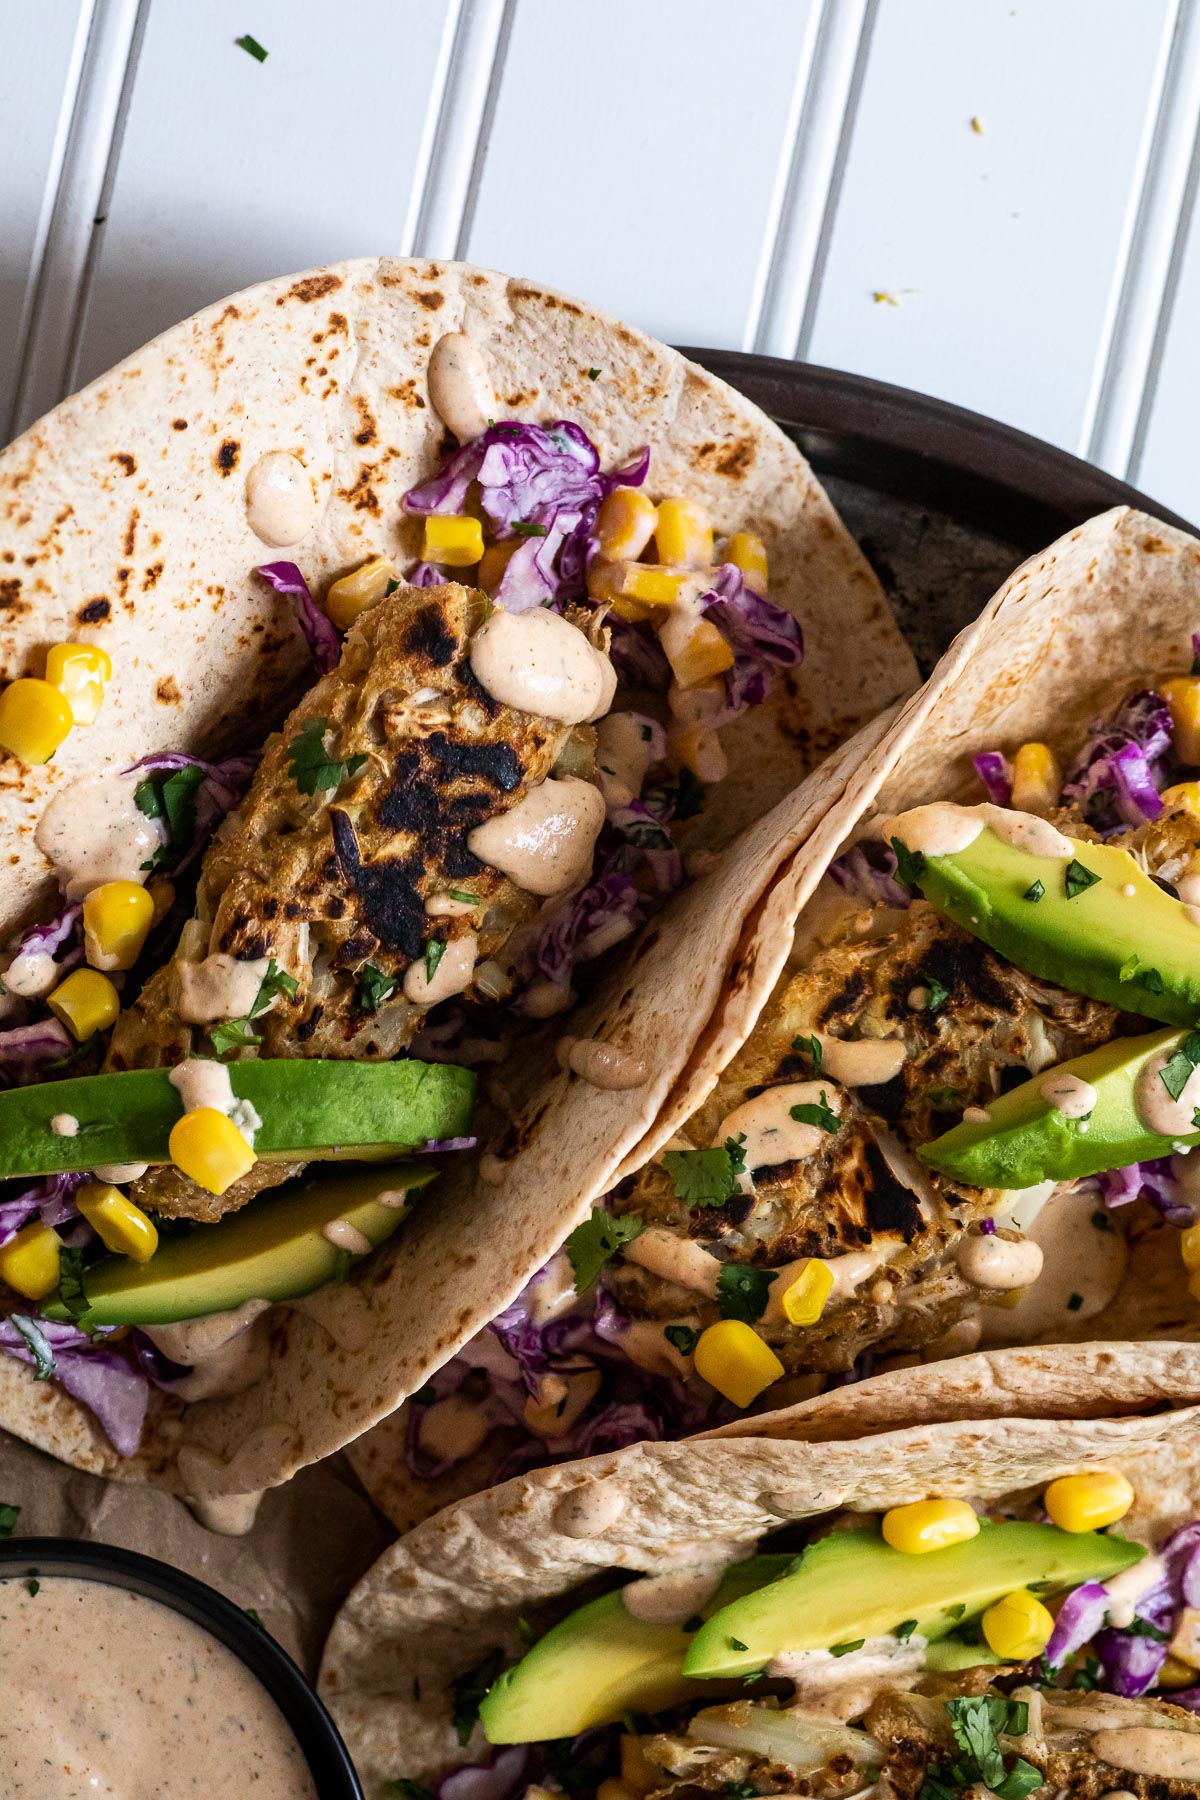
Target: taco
{"points": [[958, 1112], [232, 965], [1005, 1604]]}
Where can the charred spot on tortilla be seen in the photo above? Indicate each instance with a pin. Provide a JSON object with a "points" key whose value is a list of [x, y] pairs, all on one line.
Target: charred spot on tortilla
{"points": [[386, 892], [312, 287], [128, 463], [94, 612], [228, 455]]}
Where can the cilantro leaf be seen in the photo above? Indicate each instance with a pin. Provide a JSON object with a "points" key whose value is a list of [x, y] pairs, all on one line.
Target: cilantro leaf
{"points": [[596, 1241], [526, 528], [70, 1284], [9, 1514], [822, 1114], [312, 768], [252, 47], [593, 374], [1152, 981], [468, 1691], [937, 994], [905, 1630], [811, 1047], [977, 1723], [683, 1337], [33, 1587], [236, 1034], [461, 894], [1175, 1073], [1143, 1628], [910, 864], [374, 987], [703, 1177], [742, 1291], [1077, 878], [36, 1343], [845, 1649], [233, 1034], [1035, 891], [171, 798], [435, 949]]}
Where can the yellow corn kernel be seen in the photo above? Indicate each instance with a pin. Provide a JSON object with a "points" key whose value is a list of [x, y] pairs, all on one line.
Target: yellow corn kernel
{"points": [[733, 1358], [79, 672], [929, 1525], [162, 898], [117, 917], [208, 1147], [352, 594], [698, 748], [453, 541], [749, 554], [120, 1225], [683, 533], [1182, 695], [1018, 1626], [493, 563], [633, 588], [1037, 779], [86, 1002], [29, 1260], [695, 650], [805, 1299], [34, 719], [1179, 1670], [1184, 796], [625, 523], [1189, 1247], [1090, 1501]]}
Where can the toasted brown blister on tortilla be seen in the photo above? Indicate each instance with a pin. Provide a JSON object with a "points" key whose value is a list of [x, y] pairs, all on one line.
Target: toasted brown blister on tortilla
{"points": [[328, 882]]}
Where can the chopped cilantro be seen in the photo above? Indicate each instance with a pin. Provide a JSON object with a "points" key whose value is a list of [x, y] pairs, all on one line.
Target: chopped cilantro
{"points": [[1075, 1302], [909, 864], [811, 1047], [236, 1034], [822, 1115], [468, 1690], [462, 895], [171, 798], [253, 1616], [252, 47], [341, 1266], [956, 1612], [393, 587], [312, 768], [1077, 879], [945, 1099], [598, 1239], [232, 1034], [1087, 1677], [742, 1291], [593, 374], [33, 1586], [1152, 981], [435, 949], [9, 1514], [683, 1337], [977, 1723], [937, 994], [1143, 1628], [374, 987], [36, 1343], [1035, 891], [1174, 1074], [737, 1644], [689, 796], [845, 1649], [905, 1629], [70, 1284], [527, 529], [706, 1177], [741, 1790]]}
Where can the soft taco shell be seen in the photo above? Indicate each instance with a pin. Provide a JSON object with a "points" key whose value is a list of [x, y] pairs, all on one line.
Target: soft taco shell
{"points": [[455, 1587], [123, 521]]}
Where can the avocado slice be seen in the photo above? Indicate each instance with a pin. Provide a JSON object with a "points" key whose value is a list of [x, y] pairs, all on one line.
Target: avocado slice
{"points": [[1025, 1139], [315, 1108], [273, 1250], [1121, 939], [601, 1661], [853, 1585]]}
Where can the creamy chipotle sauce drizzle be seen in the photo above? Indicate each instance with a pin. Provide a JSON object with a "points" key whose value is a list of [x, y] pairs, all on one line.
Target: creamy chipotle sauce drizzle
{"points": [[107, 1692]]}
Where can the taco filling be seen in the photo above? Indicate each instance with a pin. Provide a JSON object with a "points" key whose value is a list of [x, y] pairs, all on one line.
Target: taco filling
{"points": [[263, 968], [966, 1114]]}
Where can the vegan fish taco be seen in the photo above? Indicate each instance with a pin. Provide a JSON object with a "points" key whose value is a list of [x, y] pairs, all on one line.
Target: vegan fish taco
{"points": [[1008, 1604], [554, 613], [966, 1107]]}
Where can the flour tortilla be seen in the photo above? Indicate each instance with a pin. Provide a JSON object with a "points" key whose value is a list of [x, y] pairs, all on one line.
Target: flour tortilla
{"points": [[454, 1588], [123, 522]]}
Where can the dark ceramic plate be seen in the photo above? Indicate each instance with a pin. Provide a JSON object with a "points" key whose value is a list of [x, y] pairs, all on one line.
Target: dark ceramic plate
{"points": [[944, 502]]}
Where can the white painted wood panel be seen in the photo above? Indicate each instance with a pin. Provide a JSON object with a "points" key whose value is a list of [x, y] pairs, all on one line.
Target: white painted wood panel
{"points": [[232, 170], [1167, 461], [639, 154], [1004, 250], [40, 52]]}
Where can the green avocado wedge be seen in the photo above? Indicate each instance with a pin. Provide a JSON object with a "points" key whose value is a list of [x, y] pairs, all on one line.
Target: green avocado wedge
{"points": [[273, 1250], [1118, 937], [852, 1585], [602, 1661], [310, 1108], [1025, 1139]]}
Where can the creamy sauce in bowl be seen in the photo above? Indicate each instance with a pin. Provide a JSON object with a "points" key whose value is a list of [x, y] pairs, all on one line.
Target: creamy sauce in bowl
{"points": [[109, 1692]]}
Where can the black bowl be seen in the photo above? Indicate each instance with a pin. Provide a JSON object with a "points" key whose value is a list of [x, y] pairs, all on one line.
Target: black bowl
{"points": [[315, 1732]]}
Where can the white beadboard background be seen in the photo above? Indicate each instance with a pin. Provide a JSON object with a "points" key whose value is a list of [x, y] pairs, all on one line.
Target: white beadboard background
{"points": [[995, 203]]}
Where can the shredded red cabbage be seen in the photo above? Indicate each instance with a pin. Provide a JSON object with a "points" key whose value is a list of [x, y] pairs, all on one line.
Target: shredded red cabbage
{"points": [[97, 1376], [44, 940], [993, 770], [499, 1780], [52, 1199], [635, 837], [323, 640], [425, 575], [868, 873], [1153, 1181], [27, 1049], [762, 636], [1117, 779], [1131, 1660], [596, 918]]}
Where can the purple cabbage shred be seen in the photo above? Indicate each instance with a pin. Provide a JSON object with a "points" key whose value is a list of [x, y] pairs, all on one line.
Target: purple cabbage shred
{"points": [[323, 640], [993, 770], [1117, 779]]}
